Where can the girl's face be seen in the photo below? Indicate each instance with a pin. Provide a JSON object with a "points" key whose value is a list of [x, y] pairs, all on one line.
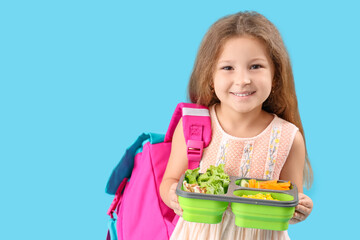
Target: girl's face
{"points": [[243, 74]]}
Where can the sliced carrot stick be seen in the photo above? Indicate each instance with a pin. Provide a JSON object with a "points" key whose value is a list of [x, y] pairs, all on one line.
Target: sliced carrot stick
{"points": [[270, 184], [252, 183]]}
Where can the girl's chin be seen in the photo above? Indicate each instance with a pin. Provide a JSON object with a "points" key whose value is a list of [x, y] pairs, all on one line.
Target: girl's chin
{"points": [[244, 108]]}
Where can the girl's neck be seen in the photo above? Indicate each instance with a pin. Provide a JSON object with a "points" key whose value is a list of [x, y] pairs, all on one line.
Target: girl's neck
{"points": [[243, 125]]}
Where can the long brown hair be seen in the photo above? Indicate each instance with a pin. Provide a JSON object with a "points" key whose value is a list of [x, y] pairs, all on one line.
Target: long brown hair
{"points": [[282, 100]]}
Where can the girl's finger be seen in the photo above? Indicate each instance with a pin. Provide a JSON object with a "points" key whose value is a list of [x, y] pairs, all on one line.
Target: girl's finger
{"points": [[173, 187], [178, 210], [307, 203], [175, 205], [302, 209], [174, 198], [178, 213], [305, 200], [300, 216], [294, 221]]}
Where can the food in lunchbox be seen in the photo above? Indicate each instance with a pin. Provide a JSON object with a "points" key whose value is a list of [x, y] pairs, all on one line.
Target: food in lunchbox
{"points": [[213, 181], [270, 184], [193, 188], [262, 196], [244, 183]]}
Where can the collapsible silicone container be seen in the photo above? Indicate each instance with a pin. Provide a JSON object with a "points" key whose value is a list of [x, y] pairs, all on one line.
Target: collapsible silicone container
{"points": [[249, 212]]}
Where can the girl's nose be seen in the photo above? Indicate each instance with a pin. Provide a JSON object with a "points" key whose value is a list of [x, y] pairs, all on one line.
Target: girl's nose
{"points": [[242, 78]]}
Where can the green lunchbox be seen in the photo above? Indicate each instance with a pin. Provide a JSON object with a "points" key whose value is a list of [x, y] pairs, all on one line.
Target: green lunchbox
{"points": [[249, 212]]}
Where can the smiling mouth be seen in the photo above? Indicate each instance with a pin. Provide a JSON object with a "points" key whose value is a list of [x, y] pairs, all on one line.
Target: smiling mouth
{"points": [[245, 94]]}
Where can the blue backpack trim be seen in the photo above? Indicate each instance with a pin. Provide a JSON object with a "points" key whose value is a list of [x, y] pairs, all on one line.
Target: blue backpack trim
{"points": [[126, 164]]}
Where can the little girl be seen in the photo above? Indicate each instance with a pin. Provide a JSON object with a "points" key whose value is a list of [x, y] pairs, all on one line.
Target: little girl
{"points": [[243, 74]]}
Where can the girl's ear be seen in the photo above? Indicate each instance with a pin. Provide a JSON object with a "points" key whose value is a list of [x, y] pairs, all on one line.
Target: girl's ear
{"points": [[212, 90], [211, 84], [273, 85]]}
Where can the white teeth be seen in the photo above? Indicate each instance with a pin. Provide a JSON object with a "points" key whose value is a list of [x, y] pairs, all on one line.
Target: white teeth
{"points": [[243, 94]]}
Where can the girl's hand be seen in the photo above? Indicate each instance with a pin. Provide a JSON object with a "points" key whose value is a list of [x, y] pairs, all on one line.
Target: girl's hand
{"points": [[174, 203], [303, 209]]}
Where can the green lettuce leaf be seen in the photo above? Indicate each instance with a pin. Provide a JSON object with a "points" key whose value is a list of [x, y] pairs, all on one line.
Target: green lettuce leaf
{"points": [[191, 175], [214, 180]]}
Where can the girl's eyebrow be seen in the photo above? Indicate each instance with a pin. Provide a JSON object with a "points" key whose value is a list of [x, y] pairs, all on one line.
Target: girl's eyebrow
{"points": [[258, 59], [251, 60], [225, 61]]}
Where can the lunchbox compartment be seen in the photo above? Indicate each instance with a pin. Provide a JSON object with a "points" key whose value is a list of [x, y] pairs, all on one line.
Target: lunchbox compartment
{"points": [[280, 198], [197, 208], [202, 211], [264, 214], [238, 182]]}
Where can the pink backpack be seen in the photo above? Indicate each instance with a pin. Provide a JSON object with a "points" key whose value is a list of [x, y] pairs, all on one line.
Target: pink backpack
{"points": [[135, 181]]}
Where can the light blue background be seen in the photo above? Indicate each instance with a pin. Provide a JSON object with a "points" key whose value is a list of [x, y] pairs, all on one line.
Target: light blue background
{"points": [[81, 79]]}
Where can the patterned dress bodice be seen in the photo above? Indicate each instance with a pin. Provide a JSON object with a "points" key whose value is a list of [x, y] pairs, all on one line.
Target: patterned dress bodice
{"points": [[262, 156]]}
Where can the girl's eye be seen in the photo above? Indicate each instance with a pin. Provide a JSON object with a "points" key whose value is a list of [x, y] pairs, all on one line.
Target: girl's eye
{"points": [[255, 66], [227, 68]]}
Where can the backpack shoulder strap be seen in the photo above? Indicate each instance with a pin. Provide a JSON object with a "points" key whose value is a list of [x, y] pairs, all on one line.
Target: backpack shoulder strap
{"points": [[196, 127]]}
